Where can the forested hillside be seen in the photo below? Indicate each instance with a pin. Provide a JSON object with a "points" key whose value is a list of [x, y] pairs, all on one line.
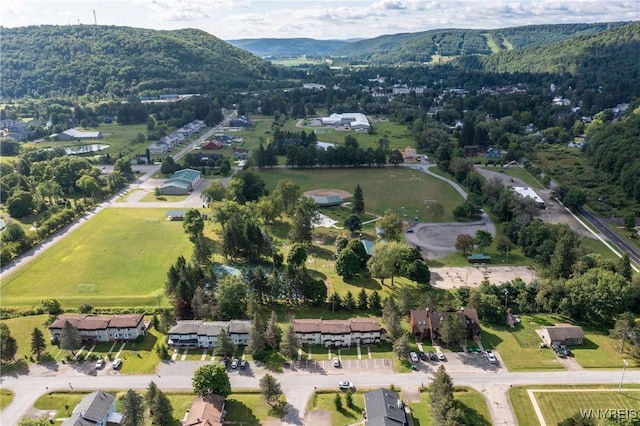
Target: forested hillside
{"points": [[423, 46], [609, 60], [275, 47], [121, 61]]}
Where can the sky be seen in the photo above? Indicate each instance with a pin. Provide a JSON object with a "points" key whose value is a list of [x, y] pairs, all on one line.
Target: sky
{"points": [[319, 19]]}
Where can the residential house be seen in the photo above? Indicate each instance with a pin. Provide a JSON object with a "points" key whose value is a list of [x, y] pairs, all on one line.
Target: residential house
{"points": [[204, 334], [242, 121], [14, 129], [240, 154], [212, 145], [384, 407], [158, 148], [562, 334], [410, 155], [472, 150], [425, 323], [205, 411], [101, 328], [338, 333], [96, 409]]}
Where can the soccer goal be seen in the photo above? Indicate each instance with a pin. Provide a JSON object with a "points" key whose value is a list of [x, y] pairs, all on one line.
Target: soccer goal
{"points": [[87, 288], [152, 220]]}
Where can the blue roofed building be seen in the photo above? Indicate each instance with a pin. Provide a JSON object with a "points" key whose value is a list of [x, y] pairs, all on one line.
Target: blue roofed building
{"points": [[181, 182]]}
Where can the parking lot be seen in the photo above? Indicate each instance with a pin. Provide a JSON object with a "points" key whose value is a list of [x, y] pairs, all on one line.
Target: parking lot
{"points": [[325, 366]]}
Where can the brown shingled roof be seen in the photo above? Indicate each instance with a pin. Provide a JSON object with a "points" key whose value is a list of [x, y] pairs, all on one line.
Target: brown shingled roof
{"points": [[205, 411], [125, 321]]}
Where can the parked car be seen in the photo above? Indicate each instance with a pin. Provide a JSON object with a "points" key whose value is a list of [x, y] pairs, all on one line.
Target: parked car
{"points": [[491, 358], [243, 364], [99, 364], [566, 350], [440, 355], [559, 351], [422, 356], [223, 362], [432, 356], [413, 357], [345, 385], [234, 363], [336, 362], [116, 364]]}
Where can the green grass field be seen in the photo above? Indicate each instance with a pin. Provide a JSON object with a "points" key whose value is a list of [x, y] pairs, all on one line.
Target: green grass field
{"points": [[396, 188], [6, 396], [569, 400], [473, 404], [121, 256], [346, 416], [520, 347], [21, 329]]}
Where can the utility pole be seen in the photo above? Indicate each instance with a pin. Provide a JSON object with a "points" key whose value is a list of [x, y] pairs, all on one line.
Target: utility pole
{"points": [[624, 367], [95, 20]]}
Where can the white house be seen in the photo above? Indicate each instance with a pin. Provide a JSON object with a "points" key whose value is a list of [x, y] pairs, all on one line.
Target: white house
{"points": [[204, 334], [101, 328], [338, 333], [97, 408]]}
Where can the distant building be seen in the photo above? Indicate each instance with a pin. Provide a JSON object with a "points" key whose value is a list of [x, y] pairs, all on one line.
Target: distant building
{"points": [[326, 200], [314, 86], [77, 134], [410, 155], [181, 182], [241, 121], [527, 192], [353, 120]]}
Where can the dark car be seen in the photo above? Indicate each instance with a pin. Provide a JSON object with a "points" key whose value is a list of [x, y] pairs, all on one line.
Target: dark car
{"points": [[243, 364], [432, 356], [559, 351], [422, 355]]}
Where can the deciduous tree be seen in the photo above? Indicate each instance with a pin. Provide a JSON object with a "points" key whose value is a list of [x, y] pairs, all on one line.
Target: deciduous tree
{"points": [[211, 379], [464, 243], [8, 344]]}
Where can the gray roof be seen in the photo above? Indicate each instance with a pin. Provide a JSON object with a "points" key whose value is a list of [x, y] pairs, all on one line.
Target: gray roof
{"points": [[564, 332], [239, 327], [186, 327], [93, 409], [384, 409], [212, 328]]}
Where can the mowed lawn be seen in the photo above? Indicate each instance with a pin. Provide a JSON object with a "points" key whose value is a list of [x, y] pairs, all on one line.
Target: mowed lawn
{"points": [[21, 329], [397, 188], [119, 257], [559, 402]]}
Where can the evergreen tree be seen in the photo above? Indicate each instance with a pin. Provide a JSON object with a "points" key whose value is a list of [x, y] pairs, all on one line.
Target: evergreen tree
{"points": [[451, 331], [8, 344], [441, 395], [349, 303], [150, 395], [624, 266], [132, 409], [338, 402], [305, 214], [375, 303], [392, 319], [224, 345], [290, 344], [70, 338], [363, 300], [256, 341], [335, 301], [358, 200], [401, 346], [270, 388], [273, 334], [162, 413], [38, 344]]}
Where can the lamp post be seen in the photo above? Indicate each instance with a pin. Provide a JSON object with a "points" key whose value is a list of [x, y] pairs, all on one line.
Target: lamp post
{"points": [[624, 367]]}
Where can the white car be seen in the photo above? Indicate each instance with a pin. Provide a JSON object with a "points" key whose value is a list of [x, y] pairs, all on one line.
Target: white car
{"points": [[117, 363], [491, 358], [345, 385], [440, 355], [414, 357], [99, 364], [336, 362]]}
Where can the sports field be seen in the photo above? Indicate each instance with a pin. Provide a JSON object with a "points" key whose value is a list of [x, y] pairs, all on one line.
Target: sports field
{"points": [[118, 258], [397, 188]]}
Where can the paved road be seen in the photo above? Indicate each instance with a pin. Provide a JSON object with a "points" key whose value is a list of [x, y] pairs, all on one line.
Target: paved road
{"points": [[298, 387]]}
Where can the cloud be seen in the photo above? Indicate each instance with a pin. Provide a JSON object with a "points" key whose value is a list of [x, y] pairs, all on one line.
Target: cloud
{"points": [[189, 10]]}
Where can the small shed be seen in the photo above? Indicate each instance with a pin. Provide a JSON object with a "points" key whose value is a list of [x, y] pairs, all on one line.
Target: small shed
{"points": [[478, 258], [175, 215]]}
